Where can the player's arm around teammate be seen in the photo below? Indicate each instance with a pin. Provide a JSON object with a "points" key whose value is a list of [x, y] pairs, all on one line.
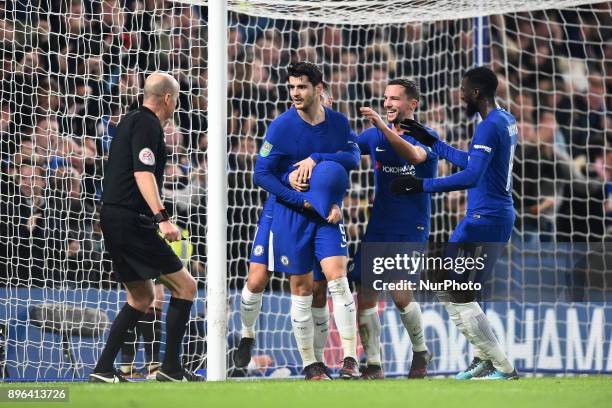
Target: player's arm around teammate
{"points": [[349, 159], [305, 129]]}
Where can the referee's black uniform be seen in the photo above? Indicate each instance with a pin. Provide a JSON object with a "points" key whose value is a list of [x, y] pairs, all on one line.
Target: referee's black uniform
{"points": [[130, 235]]}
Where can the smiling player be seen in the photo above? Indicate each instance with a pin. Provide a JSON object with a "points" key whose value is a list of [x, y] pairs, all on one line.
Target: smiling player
{"points": [[394, 219], [299, 237], [259, 276]]}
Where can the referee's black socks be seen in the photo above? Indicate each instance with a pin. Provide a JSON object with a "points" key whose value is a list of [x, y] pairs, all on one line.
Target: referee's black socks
{"points": [[126, 319], [150, 327], [176, 324]]}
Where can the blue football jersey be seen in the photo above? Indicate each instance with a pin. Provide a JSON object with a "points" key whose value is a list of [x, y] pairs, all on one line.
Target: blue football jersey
{"points": [[391, 213], [300, 237], [497, 137], [290, 139]]}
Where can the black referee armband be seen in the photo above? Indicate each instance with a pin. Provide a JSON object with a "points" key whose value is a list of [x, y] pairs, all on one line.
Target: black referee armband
{"points": [[161, 216]]}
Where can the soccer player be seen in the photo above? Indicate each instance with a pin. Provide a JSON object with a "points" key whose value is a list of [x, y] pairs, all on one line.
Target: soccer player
{"points": [[487, 176], [300, 237], [394, 219], [259, 276]]}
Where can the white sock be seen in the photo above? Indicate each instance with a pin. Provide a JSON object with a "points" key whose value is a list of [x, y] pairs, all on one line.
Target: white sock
{"points": [[369, 331], [320, 316], [479, 353], [455, 317], [250, 306], [413, 322], [344, 315], [481, 335], [303, 328]]}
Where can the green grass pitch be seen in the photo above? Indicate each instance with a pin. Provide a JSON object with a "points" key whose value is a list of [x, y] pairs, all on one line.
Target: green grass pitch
{"points": [[591, 392]]}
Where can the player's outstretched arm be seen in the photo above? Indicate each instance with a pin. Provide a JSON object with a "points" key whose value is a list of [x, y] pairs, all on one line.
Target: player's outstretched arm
{"points": [[479, 159], [409, 152], [467, 178], [422, 135]]}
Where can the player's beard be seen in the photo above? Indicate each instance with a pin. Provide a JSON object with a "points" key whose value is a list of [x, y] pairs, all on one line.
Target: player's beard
{"points": [[471, 108], [398, 118], [306, 103]]}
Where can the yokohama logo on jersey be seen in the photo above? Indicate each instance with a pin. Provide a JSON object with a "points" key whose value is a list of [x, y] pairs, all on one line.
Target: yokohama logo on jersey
{"points": [[403, 170]]}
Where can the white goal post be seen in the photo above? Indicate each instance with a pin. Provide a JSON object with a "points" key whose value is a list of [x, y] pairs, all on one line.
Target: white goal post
{"points": [[217, 193]]}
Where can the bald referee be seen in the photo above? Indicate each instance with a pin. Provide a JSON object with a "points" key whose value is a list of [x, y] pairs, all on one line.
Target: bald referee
{"points": [[131, 215]]}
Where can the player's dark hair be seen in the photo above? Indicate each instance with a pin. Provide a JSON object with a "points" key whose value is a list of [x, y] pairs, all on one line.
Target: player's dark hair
{"points": [[315, 76], [410, 87], [484, 79]]}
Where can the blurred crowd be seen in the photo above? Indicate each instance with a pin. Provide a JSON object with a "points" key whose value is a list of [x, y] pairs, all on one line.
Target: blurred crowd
{"points": [[71, 69]]}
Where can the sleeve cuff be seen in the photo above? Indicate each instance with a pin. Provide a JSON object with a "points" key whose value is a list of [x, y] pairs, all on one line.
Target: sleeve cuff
{"points": [[285, 179], [316, 157], [299, 199]]}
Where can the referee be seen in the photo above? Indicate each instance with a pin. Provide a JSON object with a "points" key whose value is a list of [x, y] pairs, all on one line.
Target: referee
{"points": [[131, 215]]}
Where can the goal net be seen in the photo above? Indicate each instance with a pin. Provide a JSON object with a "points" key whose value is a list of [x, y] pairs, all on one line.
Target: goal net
{"points": [[71, 69]]}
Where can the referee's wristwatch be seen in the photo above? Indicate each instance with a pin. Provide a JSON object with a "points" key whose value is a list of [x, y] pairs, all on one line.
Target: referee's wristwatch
{"points": [[161, 216]]}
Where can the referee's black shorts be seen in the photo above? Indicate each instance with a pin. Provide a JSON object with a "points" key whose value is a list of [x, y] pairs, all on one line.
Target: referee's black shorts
{"points": [[136, 249]]}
